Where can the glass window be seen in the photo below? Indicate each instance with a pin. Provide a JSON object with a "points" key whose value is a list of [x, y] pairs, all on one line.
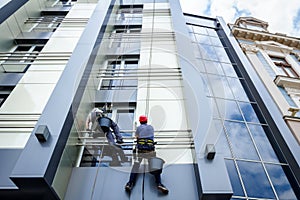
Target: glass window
{"points": [[221, 54], [220, 87], [229, 70], [216, 41], [200, 30], [234, 178], [212, 32], [213, 67], [120, 74], [255, 180], [202, 39], [240, 140], [208, 52], [222, 144], [20, 59], [280, 182], [283, 67], [229, 110], [262, 142], [124, 119], [130, 15], [248, 112], [237, 89]]}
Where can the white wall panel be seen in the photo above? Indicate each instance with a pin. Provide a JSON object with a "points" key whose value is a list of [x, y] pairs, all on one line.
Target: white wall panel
{"points": [[13, 140], [41, 77], [28, 98]]}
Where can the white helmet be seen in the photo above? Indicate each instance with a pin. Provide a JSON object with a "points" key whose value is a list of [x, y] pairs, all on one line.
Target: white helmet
{"points": [[97, 111]]}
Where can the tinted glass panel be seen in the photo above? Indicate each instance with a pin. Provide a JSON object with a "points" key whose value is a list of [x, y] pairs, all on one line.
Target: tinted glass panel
{"points": [[255, 180], [280, 182], [237, 89], [264, 147], [234, 178], [241, 142], [229, 109], [248, 112]]}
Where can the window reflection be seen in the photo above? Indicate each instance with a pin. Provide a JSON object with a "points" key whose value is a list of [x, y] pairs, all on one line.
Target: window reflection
{"points": [[229, 70], [208, 52], [213, 67], [234, 178], [264, 147], [220, 87], [255, 180], [221, 54], [202, 39], [280, 182], [248, 112], [222, 144], [237, 89], [240, 140], [229, 110]]}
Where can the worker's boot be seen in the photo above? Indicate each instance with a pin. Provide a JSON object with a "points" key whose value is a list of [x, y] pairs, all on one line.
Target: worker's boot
{"points": [[128, 186], [162, 188]]}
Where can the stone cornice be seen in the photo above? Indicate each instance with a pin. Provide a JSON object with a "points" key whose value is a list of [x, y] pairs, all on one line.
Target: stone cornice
{"points": [[287, 82], [249, 48], [254, 35]]}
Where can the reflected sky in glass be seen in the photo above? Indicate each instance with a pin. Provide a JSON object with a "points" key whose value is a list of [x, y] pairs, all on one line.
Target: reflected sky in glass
{"points": [[221, 53], [222, 144], [263, 144], [280, 182], [229, 70], [241, 142], [234, 178], [220, 86], [255, 180], [248, 112], [208, 52], [213, 67], [229, 109], [237, 89]]}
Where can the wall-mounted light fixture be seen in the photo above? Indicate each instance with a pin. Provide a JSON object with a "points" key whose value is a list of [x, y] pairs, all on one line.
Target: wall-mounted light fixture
{"points": [[210, 151], [42, 133]]}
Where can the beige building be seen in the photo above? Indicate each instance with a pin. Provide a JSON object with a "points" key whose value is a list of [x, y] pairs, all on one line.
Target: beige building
{"points": [[276, 59]]}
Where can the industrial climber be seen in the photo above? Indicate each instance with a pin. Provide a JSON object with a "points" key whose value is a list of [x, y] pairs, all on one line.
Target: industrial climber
{"points": [[145, 149], [98, 124]]}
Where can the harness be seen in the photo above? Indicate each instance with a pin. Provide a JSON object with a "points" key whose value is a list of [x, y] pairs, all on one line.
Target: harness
{"points": [[145, 145]]}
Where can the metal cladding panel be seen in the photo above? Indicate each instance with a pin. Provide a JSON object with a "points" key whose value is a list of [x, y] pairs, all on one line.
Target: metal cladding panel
{"points": [[8, 159], [9, 8], [180, 181], [98, 183], [108, 183]]}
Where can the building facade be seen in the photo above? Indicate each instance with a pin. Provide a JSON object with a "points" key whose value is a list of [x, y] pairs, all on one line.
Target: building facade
{"points": [[275, 58], [219, 131]]}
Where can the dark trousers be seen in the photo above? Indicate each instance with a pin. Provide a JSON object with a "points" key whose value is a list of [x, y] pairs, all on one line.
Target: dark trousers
{"points": [[135, 168]]}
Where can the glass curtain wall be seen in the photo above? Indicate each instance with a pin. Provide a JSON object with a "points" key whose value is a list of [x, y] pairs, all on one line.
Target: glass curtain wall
{"points": [[254, 169]]}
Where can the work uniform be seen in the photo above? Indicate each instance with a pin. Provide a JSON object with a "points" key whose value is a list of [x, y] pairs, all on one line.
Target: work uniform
{"points": [[145, 149], [93, 123]]}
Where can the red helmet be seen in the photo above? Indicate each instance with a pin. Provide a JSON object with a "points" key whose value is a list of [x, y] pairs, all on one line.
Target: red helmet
{"points": [[143, 119]]}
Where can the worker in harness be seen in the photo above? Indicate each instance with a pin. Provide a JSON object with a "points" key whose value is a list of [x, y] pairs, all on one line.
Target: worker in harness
{"points": [[99, 124], [145, 149]]}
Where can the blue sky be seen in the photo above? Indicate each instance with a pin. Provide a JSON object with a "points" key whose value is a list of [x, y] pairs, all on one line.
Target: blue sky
{"points": [[283, 16]]}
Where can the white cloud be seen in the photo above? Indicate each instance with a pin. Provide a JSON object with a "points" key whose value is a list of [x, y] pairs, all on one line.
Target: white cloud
{"points": [[278, 13]]}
